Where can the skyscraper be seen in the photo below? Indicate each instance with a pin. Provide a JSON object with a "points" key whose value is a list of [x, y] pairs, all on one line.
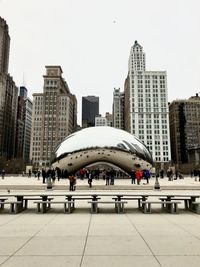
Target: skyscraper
{"points": [[54, 116], [27, 129], [8, 97], [146, 105], [24, 124], [184, 120], [118, 109], [4, 46], [90, 110]]}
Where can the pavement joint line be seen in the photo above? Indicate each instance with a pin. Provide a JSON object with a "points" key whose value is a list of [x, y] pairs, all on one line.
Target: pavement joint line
{"points": [[12, 219], [134, 226], [86, 239], [13, 254], [180, 226]]}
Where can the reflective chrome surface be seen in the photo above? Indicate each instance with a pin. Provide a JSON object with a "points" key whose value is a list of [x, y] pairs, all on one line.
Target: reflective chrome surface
{"points": [[105, 144]]}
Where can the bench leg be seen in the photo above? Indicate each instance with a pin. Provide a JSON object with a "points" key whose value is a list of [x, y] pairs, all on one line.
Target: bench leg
{"points": [[18, 208], [196, 208], [44, 207], [38, 208], [12, 210], [67, 208], [120, 208], [147, 207], [173, 207], [163, 204], [94, 208], [139, 204], [186, 204], [25, 203], [1, 205], [49, 204]]}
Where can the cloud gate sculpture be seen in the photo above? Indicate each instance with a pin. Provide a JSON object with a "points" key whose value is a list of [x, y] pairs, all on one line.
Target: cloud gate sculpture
{"points": [[101, 144]]}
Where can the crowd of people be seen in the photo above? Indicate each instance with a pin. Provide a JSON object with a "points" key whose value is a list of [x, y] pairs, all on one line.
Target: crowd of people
{"points": [[109, 175]]}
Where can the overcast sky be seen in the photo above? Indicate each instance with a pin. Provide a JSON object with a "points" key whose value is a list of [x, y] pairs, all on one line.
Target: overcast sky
{"points": [[91, 40]]}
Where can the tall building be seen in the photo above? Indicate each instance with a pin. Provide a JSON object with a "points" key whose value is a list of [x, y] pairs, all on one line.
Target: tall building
{"points": [[118, 109], [100, 121], [54, 116], [184, 117], [109, 118], [27, 129], [23, 91], [4, 46], [8, 97], [24, 124], [90, 110], [20, 127], [8, 115], [146, 105], [104, 121]]}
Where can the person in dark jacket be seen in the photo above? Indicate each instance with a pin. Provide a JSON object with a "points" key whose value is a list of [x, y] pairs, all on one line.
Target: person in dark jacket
{"points": [[44, 174], [132, 174]]}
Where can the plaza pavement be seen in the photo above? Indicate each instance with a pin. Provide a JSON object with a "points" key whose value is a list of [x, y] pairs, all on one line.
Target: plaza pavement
{"points": [[24, 183], [54, 239]]}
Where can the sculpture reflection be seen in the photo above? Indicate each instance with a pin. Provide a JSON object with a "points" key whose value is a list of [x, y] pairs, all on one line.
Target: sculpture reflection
{"points": [[102, 144]]}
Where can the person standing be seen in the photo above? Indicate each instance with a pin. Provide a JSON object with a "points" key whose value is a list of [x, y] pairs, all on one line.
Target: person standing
{"points": [[90, 180], [146, 174], [29, 173], [138, 176], [108, 177], [133, 177], [53, 175], [38, 174], [3, 174], [44, 174], [71, 182]]}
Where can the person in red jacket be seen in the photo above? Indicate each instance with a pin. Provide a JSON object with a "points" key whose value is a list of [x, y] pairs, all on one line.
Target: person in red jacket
{"points": [[138, 176]]}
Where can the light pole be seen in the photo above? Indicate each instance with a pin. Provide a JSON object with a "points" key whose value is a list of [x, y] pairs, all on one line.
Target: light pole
{"points": [[157, 185]]}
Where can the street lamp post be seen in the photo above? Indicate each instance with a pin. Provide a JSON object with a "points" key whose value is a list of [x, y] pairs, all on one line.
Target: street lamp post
{"points": [[156, 185]]}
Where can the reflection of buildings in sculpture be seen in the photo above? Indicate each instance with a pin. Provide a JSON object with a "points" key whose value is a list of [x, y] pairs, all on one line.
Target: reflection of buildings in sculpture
{"points": [[146, 105], [185, 129], [90, 110], [102, 144], [54, 115]]}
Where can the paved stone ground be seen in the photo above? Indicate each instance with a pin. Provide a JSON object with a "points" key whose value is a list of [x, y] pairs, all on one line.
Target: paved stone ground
{"points": [[105, 239], [19, 182]]}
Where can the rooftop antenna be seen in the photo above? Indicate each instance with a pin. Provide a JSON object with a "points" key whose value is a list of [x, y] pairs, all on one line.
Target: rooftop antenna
{"points": [[23, 80]]}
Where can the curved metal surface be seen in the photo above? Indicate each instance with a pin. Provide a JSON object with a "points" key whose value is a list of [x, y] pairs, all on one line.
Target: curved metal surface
{"points": [[105, 144]]}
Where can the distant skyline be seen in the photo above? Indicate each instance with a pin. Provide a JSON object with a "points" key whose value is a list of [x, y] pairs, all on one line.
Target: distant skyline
{"points": [[91, 41]]}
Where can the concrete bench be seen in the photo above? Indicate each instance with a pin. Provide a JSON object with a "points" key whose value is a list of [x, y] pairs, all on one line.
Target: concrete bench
{"points": [[185, 199], [131, 198], [15, 206], [2, 200], [82, 198], [195, 207], [119, 205], [25, 200], [172, 206], [42, 205]]}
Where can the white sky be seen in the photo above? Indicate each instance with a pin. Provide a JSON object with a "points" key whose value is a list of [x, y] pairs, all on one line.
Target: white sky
{"points": [[91, 40]]}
